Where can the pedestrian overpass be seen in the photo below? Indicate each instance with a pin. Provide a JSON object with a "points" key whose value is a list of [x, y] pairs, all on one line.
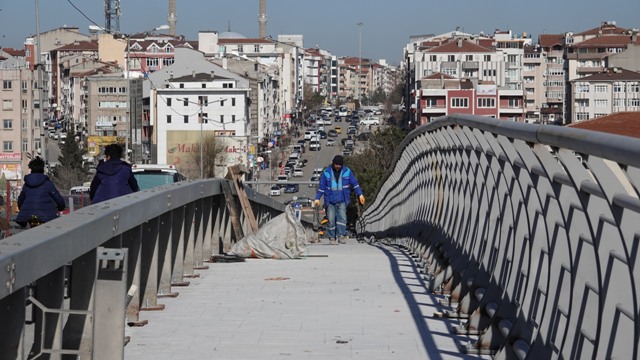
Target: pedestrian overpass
{"points": [[529, 233]]}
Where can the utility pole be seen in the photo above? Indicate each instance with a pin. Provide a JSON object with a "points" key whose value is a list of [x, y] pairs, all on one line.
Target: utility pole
{"points": [[359, 60], [43, 139]]}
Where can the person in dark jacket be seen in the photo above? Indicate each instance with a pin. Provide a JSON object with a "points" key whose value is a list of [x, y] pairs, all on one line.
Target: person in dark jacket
{"points": [[113, 177], [336, 183], [39, 197]]}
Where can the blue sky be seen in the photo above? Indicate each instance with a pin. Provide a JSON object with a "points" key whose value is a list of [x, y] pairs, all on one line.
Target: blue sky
{"points": [[330, 24]]}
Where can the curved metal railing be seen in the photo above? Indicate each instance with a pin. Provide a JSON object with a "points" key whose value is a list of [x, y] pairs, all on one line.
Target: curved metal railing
{"points": [[531, 232]]}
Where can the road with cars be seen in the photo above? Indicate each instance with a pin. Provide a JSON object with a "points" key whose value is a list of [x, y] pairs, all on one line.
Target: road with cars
{"points": [[310, 160]]}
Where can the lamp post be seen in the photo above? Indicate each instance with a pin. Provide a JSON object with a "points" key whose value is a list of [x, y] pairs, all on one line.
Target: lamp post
{"points": [[127, 70], [359, 59]]}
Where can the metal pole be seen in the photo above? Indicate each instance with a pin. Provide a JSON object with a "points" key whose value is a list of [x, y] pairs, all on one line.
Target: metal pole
{"points": [[359, 59], [201, 144], [126, 143], [43, 139]]}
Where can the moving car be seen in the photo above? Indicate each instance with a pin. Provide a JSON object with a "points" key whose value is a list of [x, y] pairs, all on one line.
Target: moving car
{"points": [[298, 173], [292, 188], [331, 142], [314, 180], [275, 191]]}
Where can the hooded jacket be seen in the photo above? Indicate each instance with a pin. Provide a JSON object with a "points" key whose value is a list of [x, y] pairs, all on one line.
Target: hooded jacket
{"points": [[113, 178], [39, 197]]}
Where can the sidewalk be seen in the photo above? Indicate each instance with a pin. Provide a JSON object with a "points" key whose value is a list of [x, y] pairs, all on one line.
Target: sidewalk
{"points": [[353, 301]]}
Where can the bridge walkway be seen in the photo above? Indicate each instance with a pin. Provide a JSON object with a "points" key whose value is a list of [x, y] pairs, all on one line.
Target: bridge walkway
{"points": [[353, 301]]}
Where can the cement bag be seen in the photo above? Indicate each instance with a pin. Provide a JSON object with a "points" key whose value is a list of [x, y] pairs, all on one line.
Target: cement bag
{"points": [[283, 237]]}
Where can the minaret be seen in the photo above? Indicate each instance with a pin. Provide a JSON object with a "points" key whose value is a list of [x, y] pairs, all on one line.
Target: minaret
{"points": [[172, 17], [262, 19]]}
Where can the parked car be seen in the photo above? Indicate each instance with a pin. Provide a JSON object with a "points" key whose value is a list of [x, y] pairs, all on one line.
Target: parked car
{"points": [[292, 188], [314, 145], [351, 130], [323, 134], [331, 142], [275, 191], [298, 173]]}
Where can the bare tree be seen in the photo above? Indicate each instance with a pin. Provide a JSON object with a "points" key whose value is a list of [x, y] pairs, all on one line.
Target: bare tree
{"points": [[213, 149]]}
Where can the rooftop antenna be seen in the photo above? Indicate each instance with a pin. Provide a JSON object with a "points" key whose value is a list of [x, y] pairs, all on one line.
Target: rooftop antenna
{"points": [[112, 16]]}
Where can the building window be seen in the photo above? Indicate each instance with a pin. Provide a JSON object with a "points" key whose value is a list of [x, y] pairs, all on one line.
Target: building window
{"points": [[486, 102], [618, 102], [469, 57], [600, 103], [433, 58], [582, 88], [25, 145], [6, 84], [600, 88], [634, 88], [7, 105], [430, 103], [203, 100], [167, 61], [513, 103], [618, 88], [168, 101], [181, 86], [185, 102], [487, 58], [256, 48], [634, 102], [186, 119], [451, 58], [489, 72], [153, 62], [203, 117], [168, 119], [233, 101], [7, 124], [460, 102], [581, 116], [233, 118], [7, 146]]}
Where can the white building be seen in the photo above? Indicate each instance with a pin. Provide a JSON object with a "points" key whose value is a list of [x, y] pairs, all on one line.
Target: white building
{"points": [[190, 108]]}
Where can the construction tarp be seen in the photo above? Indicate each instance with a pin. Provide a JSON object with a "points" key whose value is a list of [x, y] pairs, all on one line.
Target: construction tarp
{"points": [[283, 237]]}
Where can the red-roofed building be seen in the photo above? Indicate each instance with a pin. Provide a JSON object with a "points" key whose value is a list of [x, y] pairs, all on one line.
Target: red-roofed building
{"points": [[623, 123]]}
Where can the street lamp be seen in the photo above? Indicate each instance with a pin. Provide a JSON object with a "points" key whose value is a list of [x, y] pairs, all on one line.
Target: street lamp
{"points": [[201, 105], [127, 70], [360, 24]]}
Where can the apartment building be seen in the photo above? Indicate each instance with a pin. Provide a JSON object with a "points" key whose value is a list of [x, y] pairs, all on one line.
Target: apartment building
{"points": [[613, 90], [19, 115]]}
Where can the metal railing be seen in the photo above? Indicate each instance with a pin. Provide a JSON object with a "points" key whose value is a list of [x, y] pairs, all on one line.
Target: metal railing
{"points": [[63, 281], [530, 233]]}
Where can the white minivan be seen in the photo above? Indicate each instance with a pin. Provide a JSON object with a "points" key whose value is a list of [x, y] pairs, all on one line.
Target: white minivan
{"points": [[314, 145]]}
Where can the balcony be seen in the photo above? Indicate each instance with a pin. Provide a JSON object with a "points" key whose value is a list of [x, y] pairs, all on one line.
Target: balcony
{"points": [[470, 65]]}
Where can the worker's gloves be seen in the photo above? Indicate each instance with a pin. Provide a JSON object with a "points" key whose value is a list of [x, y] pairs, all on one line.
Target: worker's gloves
{"points": [[316, 203], [362, 199]]}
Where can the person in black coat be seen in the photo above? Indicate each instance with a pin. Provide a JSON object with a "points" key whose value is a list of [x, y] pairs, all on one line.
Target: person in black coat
{"points": [[113, 177], [39, 197]]}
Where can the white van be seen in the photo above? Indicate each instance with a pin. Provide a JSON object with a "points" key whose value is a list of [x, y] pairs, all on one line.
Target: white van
{"points": [[308, 135], [152, 175], [314, 145]]}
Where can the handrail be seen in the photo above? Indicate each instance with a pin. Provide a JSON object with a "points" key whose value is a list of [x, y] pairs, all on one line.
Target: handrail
{"points": [[146, 243], [543, 219]]}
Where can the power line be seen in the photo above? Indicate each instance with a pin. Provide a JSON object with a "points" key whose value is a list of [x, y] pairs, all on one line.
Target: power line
{"points": [[82, 13]]}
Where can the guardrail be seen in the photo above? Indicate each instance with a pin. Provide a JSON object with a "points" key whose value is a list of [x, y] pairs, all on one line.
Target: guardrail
{"points": [[529, 232], [64, 282]]}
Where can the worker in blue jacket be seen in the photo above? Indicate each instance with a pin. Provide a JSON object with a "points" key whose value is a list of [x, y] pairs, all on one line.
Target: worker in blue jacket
{"points": [[336, 183]]}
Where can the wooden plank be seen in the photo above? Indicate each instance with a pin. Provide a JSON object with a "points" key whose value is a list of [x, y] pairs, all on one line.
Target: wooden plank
{"points": [[235, 173], [233, 211]]}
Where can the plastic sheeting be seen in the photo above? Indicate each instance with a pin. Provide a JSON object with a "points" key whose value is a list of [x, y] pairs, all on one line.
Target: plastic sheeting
{"points": [[283, 237]]}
